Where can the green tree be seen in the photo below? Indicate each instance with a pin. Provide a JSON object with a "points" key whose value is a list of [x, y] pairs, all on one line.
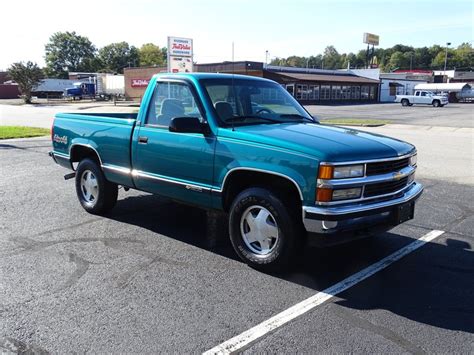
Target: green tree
{"points": [[331, 58], [116, 56], [463, 57], [438, 60], [27, 76], [150, 54], [68, 51], [398, 60]]}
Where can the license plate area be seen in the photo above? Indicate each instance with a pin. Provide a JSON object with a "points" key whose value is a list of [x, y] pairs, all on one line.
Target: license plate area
{"points": [[404, 212]]}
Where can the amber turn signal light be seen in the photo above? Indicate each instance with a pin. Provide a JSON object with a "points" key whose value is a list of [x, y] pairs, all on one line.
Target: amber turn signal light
{"points": [[325, 172], [324, 194]]}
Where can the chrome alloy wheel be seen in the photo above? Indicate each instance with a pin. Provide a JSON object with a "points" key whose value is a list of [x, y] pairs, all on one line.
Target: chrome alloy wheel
{"points": [[259, 230], [89, 187]]}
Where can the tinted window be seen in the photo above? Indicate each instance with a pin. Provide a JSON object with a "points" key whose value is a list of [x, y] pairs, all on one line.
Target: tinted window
{"points": [[171, 100]]}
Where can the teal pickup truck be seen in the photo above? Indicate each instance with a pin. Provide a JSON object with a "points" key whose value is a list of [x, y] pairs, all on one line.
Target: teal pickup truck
{"points": [[244, 146]]}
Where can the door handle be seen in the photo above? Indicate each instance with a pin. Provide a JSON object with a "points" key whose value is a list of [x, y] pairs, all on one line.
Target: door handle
{"points": [[143, 140]]}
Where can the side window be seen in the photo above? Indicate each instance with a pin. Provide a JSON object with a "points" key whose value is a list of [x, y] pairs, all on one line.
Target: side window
{"points": [[171, 100], [417, 93], [423, 93]]}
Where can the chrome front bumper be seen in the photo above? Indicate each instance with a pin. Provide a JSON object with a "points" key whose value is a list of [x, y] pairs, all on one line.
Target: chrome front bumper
{"points": [[331, 219]]}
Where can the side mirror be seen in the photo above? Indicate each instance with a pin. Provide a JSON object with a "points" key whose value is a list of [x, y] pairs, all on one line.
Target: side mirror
{"points": [[186, 125]]}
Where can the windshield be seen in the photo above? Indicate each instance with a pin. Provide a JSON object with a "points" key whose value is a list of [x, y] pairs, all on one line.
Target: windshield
{"points": [[247, 101]]}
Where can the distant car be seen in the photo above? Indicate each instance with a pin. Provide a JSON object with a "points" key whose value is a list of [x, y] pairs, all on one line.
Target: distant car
{"points": [[423, 98]]}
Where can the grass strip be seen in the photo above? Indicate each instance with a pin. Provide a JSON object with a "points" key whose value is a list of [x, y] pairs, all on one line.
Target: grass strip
{"points": [[9, 132]]}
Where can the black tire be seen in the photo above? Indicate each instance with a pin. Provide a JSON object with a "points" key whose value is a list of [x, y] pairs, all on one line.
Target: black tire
{"points": [[405, 102], [436, 103], [102, 193], [252, 202]]}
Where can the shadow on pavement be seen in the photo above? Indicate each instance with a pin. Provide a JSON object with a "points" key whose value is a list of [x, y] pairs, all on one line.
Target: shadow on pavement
{"points": [[436, 287]]}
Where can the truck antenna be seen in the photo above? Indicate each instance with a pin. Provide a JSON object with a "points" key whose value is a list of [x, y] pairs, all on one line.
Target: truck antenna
{"points": [[233, 88]]}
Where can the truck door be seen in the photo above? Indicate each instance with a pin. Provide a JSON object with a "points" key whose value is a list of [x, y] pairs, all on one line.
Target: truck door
{"points": [[177, 165], [417, 98], [425, 98]]}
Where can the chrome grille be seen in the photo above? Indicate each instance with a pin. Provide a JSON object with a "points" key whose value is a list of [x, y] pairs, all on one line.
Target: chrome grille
{"points": [[385, 167], [383, 188]]}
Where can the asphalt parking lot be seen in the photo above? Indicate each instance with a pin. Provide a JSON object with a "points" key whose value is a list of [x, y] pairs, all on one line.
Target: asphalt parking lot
{"points": [[147, 279], [452, 115]]}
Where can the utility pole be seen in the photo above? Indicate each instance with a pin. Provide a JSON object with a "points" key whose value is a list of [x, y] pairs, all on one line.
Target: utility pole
{"points": [[266, 59], [446, 56]]}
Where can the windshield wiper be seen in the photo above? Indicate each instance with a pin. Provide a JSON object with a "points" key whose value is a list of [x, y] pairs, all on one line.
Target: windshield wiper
{"points": [[295, 115], [242, 118]]}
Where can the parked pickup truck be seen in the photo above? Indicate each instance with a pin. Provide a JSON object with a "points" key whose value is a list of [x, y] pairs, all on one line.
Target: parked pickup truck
{"points": [[423, 98], [244, 146]]}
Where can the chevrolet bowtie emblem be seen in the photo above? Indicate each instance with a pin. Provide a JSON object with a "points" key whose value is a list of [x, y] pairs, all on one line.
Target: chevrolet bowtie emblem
{"points": [[397, 176]]}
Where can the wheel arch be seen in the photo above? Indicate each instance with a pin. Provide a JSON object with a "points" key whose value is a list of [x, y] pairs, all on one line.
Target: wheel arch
{"points": [[238, 179], [80, 151]]}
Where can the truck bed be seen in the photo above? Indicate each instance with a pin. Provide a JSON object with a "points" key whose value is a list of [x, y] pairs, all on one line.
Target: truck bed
{"points": [[109, 134]]}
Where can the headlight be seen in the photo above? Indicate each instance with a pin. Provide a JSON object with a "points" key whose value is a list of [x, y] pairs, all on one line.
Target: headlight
{"points": [[413, 160], [350, 171], [346, 194], [340, 172]]}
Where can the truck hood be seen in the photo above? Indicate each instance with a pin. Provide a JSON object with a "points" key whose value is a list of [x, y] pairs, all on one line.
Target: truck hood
{"points": [[326, 143]]}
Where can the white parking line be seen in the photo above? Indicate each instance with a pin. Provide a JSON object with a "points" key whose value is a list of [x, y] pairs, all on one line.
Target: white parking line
{"points": [[243, 340]]}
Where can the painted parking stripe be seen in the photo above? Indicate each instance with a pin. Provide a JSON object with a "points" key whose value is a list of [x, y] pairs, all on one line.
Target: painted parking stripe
{"points": [[245, 339]]}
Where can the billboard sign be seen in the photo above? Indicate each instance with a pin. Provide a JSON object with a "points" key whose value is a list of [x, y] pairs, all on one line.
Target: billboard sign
{"points": [[370, 38], [180, 55]]}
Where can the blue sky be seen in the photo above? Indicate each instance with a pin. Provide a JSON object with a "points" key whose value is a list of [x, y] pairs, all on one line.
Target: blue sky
{"points": [[284, 28]]}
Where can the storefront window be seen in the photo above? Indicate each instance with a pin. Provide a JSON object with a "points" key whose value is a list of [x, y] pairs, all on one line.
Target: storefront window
{"points": [[364, 92], [336, 92], [355, 92], [313, 93], [346, 92], [373, 90], [299, 92], [325, 92]]}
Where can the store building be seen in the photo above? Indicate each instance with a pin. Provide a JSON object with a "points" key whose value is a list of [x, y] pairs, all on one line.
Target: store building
{"points": [[308, 86], [137, 79], [393, 84]]}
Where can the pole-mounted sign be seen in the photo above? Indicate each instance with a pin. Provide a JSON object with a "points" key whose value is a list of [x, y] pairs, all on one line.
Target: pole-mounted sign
{"points": [[180, 55], [370, 38]]}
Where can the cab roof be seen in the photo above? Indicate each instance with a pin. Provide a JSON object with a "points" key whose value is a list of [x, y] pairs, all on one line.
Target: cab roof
{"points": [[206, 76]]}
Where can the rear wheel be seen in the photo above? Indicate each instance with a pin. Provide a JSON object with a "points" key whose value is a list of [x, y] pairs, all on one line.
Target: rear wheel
{"points": [[405, 102], [95, 193], [262, 232], [436, 103]]}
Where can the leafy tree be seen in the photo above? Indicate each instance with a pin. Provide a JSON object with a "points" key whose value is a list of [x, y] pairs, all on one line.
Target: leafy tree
{"points": [[464, 56], [331, 58], [438, 61], [68, 51], [116, 56], [150, 54], [27, 76]]}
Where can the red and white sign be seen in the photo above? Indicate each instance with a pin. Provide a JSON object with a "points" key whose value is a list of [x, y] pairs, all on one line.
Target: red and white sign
{"points": [[140, 83], [181, 47], [180, 55]]}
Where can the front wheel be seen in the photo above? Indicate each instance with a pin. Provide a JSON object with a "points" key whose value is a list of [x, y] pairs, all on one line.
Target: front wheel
{"points": [[405, 102], [95, 193], [436, 103], [262, 232]]}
